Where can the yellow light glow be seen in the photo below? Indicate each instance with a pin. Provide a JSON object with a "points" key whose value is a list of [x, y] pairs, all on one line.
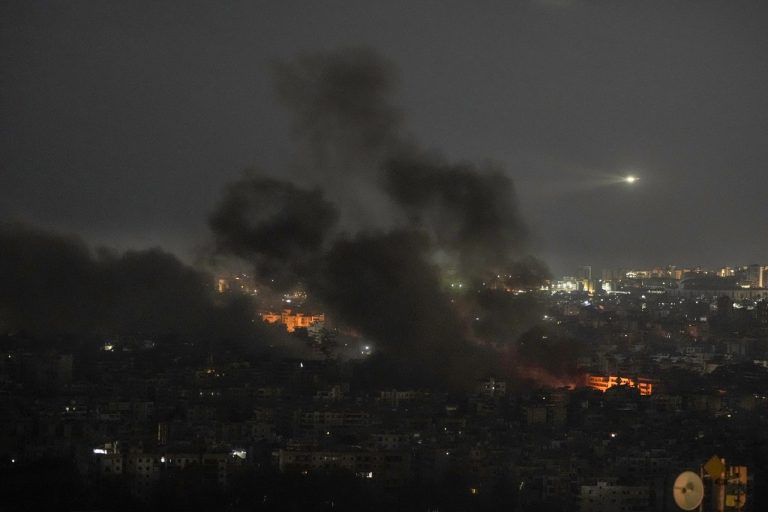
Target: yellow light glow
{"points": [[631, 179]]}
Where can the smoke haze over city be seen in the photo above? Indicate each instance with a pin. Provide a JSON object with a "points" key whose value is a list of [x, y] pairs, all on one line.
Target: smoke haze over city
{"points": [[421, 256], [123, 122]]}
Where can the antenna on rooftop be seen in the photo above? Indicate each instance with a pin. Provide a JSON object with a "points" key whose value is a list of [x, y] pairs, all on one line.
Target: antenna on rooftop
{"points": [[688, 490], [728, 486]]}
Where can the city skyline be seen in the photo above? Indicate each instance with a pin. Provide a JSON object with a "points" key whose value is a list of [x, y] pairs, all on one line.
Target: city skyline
{"points": [[430, 256]]}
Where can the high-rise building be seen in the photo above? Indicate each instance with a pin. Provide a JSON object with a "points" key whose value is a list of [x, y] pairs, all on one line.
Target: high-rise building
{"points": [[755, 275], [726, 272], [585, 278]]}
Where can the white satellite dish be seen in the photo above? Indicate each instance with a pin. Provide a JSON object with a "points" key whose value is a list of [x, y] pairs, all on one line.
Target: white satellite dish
{"points": [[688, 490]]}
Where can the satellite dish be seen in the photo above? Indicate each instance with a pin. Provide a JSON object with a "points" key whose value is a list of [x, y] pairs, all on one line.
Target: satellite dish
{"points": [[688, 490]]}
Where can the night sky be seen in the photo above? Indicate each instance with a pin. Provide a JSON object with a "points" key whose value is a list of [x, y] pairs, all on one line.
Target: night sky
{"points": [[124, 121]]}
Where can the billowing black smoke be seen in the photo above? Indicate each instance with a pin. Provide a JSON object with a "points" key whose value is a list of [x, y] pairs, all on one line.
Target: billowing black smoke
{"points": [[281, 227], [55, 288], [386, 286], [471, 213], [342, 105], [409, 224]]}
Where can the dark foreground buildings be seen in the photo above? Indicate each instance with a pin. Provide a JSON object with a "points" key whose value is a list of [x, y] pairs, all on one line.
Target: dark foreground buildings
{"points": [[663, 383]]}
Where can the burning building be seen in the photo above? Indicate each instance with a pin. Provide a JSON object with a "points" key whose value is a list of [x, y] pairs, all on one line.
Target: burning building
{"points": [[603, 383], [291, 320]]}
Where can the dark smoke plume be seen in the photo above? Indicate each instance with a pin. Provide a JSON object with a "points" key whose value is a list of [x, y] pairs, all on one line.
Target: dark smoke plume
{"points": [[54, 287], [408, 223], [341, 102], [275, 224], [471, 213], [386, 286], [346, 126], [364, 278]]}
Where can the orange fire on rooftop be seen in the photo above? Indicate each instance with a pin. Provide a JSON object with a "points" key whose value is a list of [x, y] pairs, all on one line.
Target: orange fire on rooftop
{"points": [[603, 383], [292, 321]]}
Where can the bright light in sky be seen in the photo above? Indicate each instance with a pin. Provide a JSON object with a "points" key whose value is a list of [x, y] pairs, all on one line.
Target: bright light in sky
{"points": [[631, 179]]}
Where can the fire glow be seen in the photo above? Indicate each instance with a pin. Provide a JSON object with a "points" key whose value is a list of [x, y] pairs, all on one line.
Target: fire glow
{"points": [[292, 321], [603, 383]]}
